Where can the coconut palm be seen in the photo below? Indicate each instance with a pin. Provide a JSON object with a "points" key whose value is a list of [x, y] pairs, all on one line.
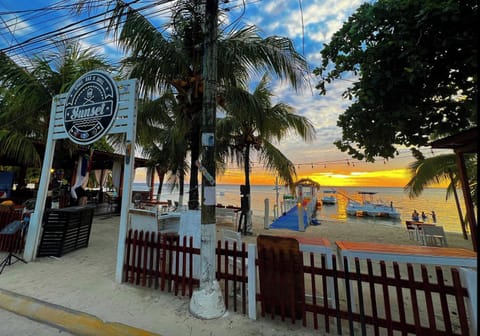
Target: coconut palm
{"points": [[162, 138], [26, 100], [426, 172], [173, 58], [253, 124]]}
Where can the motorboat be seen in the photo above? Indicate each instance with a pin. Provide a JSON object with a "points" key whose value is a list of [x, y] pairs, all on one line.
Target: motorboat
{"points": [[371, 208], [329, 197]]}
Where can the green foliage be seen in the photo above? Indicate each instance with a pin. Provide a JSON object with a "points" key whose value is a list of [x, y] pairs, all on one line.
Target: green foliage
{"points": [[416, 63], [26, 97], [253, 124], [172, 59]]}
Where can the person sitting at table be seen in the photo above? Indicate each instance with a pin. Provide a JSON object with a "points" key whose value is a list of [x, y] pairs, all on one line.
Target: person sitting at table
{"points": [[415, 216]]}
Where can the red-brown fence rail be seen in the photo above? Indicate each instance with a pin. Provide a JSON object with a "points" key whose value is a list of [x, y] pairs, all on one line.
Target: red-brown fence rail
{"points": [[391, 299], [431, 302], [164, 262]]}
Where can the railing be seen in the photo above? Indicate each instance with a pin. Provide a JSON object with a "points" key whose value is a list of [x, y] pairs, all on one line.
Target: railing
{"points": [[424, 300], [387, 302], [152, 260]]}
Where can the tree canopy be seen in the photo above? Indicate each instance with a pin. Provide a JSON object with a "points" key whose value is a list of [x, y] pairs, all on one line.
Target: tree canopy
{"points": [[416, 68]]}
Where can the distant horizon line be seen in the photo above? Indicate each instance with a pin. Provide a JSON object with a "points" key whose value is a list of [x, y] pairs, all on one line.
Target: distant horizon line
{"points": [[282, 185]]}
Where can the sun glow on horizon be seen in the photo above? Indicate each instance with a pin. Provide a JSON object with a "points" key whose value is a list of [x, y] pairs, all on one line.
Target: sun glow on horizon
{"points": [[334, 178]]}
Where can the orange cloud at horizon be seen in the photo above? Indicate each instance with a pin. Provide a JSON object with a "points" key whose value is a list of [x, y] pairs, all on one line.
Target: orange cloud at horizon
{"points": [[380, 178], [335, 178]]}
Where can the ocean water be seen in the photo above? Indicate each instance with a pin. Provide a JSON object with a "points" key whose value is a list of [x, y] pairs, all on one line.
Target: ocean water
{"points": [[431, 199]]}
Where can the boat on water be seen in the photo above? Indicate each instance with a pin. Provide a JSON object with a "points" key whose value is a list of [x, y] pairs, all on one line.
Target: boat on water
{"points": [[368, 207], [329, 197]]}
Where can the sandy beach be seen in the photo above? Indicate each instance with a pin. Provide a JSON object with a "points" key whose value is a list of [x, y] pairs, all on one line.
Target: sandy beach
{"points": [[84, 280]]}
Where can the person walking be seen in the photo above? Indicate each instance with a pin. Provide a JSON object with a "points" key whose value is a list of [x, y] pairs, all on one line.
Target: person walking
{"points": [[434, 217]]}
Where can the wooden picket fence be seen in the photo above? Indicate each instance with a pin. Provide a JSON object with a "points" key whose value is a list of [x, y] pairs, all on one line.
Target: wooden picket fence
{"points": [[432, 304], [152, 260], [427, 301]]}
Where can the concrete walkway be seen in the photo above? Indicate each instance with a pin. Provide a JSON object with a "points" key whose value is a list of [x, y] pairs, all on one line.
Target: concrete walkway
{"points": [[75, 322]]}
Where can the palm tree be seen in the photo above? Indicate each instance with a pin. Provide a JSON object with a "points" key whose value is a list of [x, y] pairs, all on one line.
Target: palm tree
{"points": [[253, 124], [27, 95], [426, 172], [162, 138], [173, 58]]}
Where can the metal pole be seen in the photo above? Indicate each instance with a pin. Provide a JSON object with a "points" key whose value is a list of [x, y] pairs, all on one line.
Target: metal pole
{"points": [[207, 301]]}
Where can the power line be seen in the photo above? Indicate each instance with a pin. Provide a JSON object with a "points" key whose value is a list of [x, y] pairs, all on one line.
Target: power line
{"points": [[38, 43]]}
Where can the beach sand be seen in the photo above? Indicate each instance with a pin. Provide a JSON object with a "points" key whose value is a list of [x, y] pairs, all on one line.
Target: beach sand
{"points": [[84, 280]]}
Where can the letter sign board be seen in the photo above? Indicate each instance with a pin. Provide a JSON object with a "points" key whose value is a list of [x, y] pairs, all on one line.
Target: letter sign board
{"points": [[90, 107]]}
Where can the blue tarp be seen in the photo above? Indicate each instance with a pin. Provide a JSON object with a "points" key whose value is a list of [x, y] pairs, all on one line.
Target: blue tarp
{"points": [[290, 220]]}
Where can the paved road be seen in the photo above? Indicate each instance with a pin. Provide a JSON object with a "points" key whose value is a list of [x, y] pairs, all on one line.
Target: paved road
{"points": [[15, 325]]}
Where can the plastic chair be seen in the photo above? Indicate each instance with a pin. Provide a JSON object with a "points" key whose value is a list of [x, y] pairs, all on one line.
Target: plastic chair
{"points": [[433, 235], [412, 231]]}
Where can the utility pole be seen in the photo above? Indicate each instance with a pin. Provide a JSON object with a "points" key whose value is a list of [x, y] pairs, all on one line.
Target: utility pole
{"points": [[207, 301]]}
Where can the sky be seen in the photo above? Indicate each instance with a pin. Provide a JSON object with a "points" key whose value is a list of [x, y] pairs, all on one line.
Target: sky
{"points": [[26, 28]]}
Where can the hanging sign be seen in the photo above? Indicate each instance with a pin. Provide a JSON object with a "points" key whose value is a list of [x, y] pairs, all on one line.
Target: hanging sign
{"points": [[90, 107]]}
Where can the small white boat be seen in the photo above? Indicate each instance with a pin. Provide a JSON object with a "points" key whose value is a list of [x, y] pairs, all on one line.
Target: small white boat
{"points": [[371, 208], [329, 197]]}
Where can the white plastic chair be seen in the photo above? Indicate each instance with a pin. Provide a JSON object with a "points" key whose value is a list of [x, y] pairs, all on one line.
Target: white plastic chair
{"points": [[433, 235]]}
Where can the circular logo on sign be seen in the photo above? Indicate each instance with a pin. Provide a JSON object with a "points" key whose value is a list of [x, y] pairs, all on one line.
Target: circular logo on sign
{"points": [[90, 107]]}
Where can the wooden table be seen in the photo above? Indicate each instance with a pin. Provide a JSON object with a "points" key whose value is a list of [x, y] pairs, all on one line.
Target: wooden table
{"points": [[446, 256]]}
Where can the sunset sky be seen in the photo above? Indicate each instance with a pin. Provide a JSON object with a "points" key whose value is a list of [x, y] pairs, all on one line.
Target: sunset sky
{"points": [[331, 176], [309, 24]]}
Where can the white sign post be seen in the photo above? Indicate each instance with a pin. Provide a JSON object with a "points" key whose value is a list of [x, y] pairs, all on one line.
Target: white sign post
{"points": [[96, 105]]}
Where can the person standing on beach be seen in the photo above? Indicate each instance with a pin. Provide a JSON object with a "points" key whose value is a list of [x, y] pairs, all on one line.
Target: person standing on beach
{"points": [[415, 216], [424, 216], [434, 217]]}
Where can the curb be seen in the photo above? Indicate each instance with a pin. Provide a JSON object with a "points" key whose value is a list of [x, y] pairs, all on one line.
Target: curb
{"points": [[67, 319]]}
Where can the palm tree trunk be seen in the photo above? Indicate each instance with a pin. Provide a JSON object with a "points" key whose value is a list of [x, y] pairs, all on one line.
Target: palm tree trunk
{"points": [[459, 209], [161, 178], [248, 215], [181, 187]]}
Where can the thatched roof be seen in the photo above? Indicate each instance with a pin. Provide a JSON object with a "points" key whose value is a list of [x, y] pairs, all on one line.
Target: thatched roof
{"points": [[307, 182]]}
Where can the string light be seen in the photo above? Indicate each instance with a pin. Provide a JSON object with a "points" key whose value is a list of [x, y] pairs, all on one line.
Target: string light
{"points": [[346, 161]]}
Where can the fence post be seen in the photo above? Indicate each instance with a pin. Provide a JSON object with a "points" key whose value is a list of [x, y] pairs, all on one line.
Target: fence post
{"points": [[252, 282], [469, 278]]}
